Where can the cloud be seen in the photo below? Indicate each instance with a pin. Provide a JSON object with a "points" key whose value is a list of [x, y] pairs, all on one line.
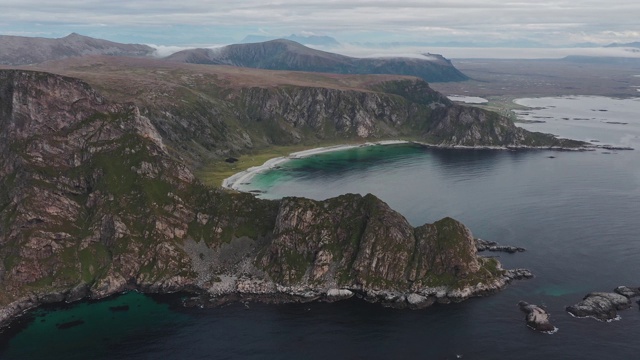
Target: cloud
{"points": [[553, 22], [163, 50]]}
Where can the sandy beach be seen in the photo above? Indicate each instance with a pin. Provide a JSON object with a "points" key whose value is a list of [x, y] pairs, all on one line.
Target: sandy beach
{"points": [[233, 182]]}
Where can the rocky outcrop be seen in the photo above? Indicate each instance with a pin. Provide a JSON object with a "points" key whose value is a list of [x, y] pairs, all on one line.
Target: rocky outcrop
{"points": [[629, 292], [537, 318], [92, 203], [206, 113], [486, 245], [600, 305]]}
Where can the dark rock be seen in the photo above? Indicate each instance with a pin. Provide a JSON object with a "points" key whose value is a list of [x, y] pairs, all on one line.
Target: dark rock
{"points": [[69, 324], [627, 291], [518, 274], [600, 306], [231, 160], [537, 318], [485, 245]]}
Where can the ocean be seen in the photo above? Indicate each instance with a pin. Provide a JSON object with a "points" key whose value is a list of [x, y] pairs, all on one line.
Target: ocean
{"points": [[576, 213]]}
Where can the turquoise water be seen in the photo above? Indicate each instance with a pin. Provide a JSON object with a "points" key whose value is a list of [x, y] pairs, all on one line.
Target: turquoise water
{"points": [[89, 330], [365, 158]]}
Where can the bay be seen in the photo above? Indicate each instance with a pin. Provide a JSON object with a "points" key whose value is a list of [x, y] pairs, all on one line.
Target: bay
{"points": [[574, 212]]}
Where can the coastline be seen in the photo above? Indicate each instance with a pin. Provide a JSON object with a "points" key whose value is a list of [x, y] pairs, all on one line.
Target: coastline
{"points": [[234, 181]]}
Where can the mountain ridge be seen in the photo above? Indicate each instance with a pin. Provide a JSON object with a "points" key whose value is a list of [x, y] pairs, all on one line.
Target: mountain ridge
{"points": [[318, 40], [283, 54], [20, 50]]}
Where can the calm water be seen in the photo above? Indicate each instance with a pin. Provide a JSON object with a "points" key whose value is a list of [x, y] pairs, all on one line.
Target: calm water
{"points": [[575, 212]]}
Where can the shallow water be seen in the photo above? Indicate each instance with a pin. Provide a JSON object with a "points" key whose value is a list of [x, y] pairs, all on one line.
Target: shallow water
{"points": [[576, 213]]}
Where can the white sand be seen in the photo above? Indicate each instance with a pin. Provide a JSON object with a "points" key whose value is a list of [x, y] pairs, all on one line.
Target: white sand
{"points": [[234, 181]]}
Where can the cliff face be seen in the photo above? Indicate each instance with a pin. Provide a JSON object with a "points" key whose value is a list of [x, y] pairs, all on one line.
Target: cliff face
{"points": [[92, 203], [81, 179], [254, 117]]}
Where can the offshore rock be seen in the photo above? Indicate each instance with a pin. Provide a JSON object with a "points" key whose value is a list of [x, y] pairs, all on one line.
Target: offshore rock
{"points": [[518, 274], [537, 318], [486, 245], [601, 306]]}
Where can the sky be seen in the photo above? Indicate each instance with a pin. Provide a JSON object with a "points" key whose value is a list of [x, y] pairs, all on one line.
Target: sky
{"points": [[483, 23]]}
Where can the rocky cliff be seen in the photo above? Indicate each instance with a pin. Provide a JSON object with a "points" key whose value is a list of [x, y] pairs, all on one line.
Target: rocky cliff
{"points": [[255, 117], [204, 112], [92, 203]]}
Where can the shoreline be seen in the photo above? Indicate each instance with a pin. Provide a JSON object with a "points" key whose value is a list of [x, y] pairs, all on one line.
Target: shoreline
{"points": [[234, 181]]}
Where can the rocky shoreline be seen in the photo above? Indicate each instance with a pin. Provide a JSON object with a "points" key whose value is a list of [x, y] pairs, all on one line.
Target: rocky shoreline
{"points": [[246, 289], [267, 292]]}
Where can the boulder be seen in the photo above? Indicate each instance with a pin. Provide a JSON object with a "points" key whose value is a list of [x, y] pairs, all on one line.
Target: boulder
{"points": [[537, 318], [337, 294], [627, 291], [417, 301]]}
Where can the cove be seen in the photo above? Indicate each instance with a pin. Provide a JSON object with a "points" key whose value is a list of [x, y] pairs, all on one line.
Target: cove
{"points": [[89, 329]]}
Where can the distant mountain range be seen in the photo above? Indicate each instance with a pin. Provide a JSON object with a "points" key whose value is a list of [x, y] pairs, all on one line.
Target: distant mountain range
{"points": [[284, 54], [635, 44], [20, 50], [305, 40], [610, 60], [280, 54]]}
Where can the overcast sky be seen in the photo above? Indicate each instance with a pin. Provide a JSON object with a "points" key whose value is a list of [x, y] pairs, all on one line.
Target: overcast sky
{"points": [[193, 22]]}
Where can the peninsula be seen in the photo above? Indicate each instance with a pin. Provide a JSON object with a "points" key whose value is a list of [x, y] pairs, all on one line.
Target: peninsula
{"points": [[98, 193]]}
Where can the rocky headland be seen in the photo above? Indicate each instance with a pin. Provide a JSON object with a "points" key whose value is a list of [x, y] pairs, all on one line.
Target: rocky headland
{"points": [[97, 196]]}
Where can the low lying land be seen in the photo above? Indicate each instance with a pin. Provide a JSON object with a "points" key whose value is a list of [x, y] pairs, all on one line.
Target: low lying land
{"points": [[494, 78], [502, 81]]}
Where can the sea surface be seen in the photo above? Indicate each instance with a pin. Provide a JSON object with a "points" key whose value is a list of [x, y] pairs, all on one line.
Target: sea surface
{"points": [[576, 213]]}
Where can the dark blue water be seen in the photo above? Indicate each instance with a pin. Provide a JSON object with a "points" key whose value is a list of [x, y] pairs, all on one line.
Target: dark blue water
{"points": [[577, 214]]}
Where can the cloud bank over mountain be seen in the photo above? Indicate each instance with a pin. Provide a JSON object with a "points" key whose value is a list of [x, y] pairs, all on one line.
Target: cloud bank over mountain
{"points": [[193, 22]]}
